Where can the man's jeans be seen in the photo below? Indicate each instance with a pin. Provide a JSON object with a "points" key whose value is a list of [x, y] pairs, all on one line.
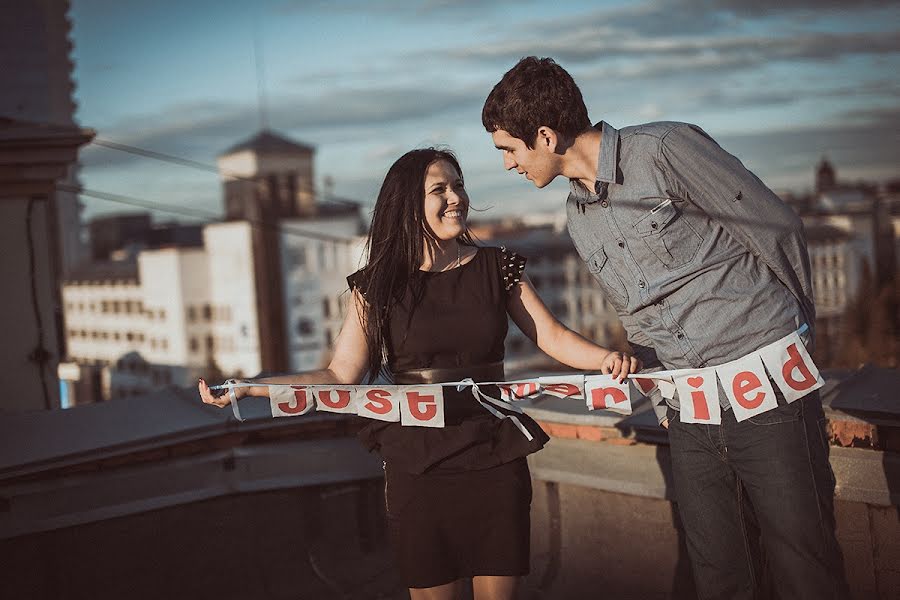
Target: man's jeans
{"points": [[780, 460]]}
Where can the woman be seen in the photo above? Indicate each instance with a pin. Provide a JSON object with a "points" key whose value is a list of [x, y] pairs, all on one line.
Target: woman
{"points": [[429, 307]]}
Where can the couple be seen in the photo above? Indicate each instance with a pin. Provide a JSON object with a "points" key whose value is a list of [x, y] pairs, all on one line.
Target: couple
{"points": [[704, 265]]}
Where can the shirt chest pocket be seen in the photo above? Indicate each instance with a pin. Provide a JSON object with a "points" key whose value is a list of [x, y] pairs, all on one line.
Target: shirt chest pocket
{"points": [[600, 268], [668, 235]]}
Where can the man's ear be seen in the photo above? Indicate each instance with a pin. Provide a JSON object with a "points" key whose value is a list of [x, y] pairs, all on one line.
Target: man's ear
{"points": [[547, 138]]}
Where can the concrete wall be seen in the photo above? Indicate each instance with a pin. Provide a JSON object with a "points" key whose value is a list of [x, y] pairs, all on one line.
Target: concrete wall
{"points": [[29, 305]]}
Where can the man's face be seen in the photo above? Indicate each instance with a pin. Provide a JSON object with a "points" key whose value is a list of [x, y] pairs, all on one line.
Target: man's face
{"points": [[539, 165]]}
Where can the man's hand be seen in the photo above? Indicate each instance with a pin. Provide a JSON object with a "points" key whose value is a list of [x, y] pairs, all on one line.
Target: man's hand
{"points": [[620, 364], [665, 423]]}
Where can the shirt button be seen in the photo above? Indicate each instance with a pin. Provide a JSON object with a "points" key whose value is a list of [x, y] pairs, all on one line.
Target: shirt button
{"points": [[641, 284], [604, 204], [621, 244], [679, 335]]}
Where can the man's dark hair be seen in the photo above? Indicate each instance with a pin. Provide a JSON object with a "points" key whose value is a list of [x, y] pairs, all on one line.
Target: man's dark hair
{"points": [[535, 92]]}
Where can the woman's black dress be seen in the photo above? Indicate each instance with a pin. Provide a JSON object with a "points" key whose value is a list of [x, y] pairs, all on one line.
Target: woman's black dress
{"points": [[458, 497]]}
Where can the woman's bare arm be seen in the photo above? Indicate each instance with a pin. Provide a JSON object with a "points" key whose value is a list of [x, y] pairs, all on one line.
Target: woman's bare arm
{"points": [[347, 366], [536, 321]]}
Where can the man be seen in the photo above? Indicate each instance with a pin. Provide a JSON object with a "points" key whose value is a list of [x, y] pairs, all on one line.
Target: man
{"points": [[704, 265]]}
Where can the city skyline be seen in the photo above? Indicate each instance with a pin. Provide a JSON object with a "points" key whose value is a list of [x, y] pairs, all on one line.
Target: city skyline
{"points": [[779, 86]]}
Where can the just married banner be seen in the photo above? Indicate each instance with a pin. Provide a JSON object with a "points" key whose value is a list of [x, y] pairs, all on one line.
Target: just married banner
{"points": [[747, 383]]}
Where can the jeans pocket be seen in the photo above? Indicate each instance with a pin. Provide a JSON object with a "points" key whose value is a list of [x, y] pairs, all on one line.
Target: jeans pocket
{"points": [[787, 413]]}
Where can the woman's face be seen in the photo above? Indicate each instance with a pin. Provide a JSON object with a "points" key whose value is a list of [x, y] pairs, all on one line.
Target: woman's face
{"points": [[446, 201]]}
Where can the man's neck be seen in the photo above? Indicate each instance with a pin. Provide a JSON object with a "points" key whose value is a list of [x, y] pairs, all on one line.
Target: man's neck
{"points": [[582, 156]]}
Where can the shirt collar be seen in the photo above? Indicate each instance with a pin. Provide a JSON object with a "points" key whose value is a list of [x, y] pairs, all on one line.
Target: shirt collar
{"points": [[606, 165]]}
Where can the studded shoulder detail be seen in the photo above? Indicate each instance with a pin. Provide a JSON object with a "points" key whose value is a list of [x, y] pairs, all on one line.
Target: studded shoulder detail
{"points": [[511, 267]]}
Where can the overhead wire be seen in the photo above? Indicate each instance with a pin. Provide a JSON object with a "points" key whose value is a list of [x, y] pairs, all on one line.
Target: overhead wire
{"points": [[208, 216]]}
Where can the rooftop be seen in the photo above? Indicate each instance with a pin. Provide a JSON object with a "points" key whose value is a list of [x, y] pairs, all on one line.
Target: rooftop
{"points": [[267, 142]]}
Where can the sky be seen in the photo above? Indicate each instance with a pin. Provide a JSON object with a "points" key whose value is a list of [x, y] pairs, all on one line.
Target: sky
{"points": [[779, 83]]}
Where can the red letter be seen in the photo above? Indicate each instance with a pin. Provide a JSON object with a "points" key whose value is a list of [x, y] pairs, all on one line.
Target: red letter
{"points": [[563, 389], [523, 390], [598, 396], [796, 362], [701, 409], [343, 400], [744, 383], [416, 401], [299, 407], [645, 384], [379, 401]]}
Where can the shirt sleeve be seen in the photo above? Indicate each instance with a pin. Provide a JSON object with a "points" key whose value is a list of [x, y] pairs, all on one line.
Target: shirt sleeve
{"points": [[512, 266], [720, 185], [356, 281]]}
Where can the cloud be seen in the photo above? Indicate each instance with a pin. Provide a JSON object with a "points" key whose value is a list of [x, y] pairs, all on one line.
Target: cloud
{"points": [[202, 130], [855, 139], [709, 52], [769, 7]]}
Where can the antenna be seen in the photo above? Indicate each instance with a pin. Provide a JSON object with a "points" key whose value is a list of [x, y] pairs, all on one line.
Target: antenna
{"points": [[260, 75]]}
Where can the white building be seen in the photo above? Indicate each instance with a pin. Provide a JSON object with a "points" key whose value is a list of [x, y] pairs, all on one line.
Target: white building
{"points": [[266, 291]]}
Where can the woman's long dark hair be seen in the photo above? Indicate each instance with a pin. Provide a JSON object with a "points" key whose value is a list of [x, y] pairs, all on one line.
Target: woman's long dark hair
{"points": [[394, 248]]}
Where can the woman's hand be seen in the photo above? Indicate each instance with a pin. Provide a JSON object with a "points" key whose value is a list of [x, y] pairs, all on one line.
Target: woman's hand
{"points": [[620, 364], [222, 400]]}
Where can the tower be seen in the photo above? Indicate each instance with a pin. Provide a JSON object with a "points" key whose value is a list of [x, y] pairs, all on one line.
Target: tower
{"points": [[825, 176], [267, 179]]}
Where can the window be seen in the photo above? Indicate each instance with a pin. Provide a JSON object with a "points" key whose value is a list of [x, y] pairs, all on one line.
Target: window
{"points": [[207, 312], [104, 306], [326, 308], [191, 314], [117, 306], [195, 345], [210, 343]]}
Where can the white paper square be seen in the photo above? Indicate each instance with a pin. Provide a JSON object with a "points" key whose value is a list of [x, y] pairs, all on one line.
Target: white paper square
{"points": [[333, 398], [698, 397], [753, 387], [422, 405], [602, 392], [380, 403], [290, 401], [791, 367], [519, 390], [563, 386]]}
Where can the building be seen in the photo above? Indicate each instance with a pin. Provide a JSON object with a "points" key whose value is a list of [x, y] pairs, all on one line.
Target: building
{"points": [[852, 245], [262, 292], [563, 282], [36, 78], [301, 250]]}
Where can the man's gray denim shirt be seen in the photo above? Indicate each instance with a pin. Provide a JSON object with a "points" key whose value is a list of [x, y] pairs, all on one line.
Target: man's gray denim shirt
{"points": [[703, 263]]}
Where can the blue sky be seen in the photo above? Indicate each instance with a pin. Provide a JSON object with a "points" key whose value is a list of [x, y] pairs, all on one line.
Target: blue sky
{"points": [[779, 84]]}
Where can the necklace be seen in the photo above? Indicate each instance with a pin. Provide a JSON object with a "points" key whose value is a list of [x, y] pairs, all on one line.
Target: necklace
{"points": [[458, 255]]}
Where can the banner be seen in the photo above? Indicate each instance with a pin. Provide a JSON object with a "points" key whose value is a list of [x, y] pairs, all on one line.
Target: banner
{"points": [[747, 383]]}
